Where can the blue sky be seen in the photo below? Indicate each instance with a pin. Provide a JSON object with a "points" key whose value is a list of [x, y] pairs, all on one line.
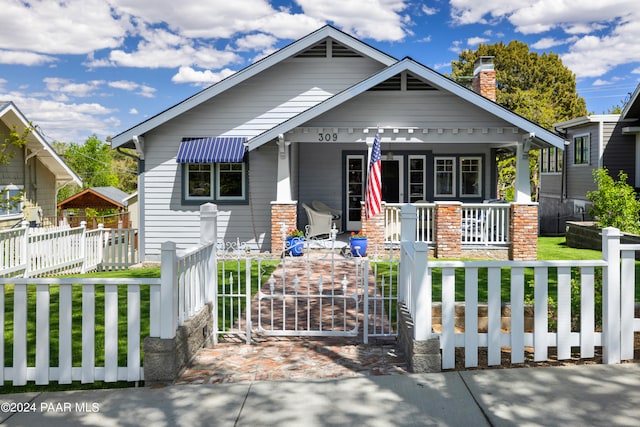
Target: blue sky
{"points": [[82, 67]]}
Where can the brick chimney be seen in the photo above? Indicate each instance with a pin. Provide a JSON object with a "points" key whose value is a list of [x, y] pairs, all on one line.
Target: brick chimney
{"points": [[484, 77]]}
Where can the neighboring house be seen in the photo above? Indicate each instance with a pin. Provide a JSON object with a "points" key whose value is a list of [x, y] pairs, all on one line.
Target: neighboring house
{"points": [[73, 209], [609, 141], [298, 126], [35, 171]]}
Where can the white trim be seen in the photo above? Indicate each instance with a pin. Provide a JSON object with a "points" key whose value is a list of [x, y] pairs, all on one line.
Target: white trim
{"points": [[479, 193], [20, 207], [573, 149], [424, 175], [243, 173], [435, 176]]}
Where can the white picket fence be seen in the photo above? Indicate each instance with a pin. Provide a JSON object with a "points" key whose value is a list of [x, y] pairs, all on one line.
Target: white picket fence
{"points": [[32, 252], [618, 301], [107, 306]]}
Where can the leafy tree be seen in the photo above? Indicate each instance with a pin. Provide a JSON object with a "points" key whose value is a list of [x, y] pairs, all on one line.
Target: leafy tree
{"points": [[98, 166], [8, 149], [614, 203], [536, 86]]}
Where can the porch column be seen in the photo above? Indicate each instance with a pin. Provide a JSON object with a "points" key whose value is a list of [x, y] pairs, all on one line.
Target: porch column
{"points": [[373, 228], [523, 231], [522, 190], [447, 229], [283, 215], [283, 193]]}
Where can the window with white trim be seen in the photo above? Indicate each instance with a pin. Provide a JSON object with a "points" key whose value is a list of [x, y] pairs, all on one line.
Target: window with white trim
{"points": [[445, 176], [11, 200], [417, 178], [581, 150], [205, 182], [470, 176]]}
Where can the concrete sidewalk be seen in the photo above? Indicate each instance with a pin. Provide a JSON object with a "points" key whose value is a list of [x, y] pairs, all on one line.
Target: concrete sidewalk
{"points": [[559, 396]]}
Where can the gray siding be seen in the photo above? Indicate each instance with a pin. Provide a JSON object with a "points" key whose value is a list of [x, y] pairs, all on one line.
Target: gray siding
{"points": [[619, 152], [244, 110], [431, 109], [580, 177]]}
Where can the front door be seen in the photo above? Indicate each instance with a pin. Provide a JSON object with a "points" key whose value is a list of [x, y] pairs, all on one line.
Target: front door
{"points": [[392, 180], [355, 181]]}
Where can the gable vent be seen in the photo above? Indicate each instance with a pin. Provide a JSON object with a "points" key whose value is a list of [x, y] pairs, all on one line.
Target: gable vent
{"points": [[394, 83], [341, 51], [318, 50], [414, 83]]}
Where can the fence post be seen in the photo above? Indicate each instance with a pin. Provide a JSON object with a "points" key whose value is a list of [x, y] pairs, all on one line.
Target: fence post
{"points": [[25, 257], [422, 293], [611, 296], [83, 247], [209, 233], [168, 291], [101, 244], [408, 215]]}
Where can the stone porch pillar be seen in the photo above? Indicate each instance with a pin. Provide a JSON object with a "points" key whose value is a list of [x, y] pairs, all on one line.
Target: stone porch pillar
{"points": [[283, 214], [523, 231], [447, 229], [373, 228]]}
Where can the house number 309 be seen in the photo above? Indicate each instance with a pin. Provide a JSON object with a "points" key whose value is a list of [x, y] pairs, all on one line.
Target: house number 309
{"points": [[327, 137]]}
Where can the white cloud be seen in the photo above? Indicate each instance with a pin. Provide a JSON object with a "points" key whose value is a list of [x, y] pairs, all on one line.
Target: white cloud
{"points": [[602, 35], [429, 10], [425, 39], [56, 27], [142, 90], [474, 41], [635, 71], [455, 46], [258, 41], [24, 58], [133, 111], [380, 20], [600, 82], [63, 121], [189, 75], [70, 88]]}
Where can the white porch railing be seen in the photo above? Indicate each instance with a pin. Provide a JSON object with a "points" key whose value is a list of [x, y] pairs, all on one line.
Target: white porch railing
{"points": [[482, 223], [31, 252], [485, 224], [618, 284], [424, 222]]}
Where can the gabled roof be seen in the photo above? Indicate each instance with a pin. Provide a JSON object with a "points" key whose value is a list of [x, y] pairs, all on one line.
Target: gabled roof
{"points": [[11, 116], [632, 108], [293, 49], [96, 197], [543, 137], [583, 120]]}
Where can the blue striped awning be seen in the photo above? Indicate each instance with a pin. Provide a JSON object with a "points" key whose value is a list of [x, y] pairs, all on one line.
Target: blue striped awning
{"points": [[219, 149]]}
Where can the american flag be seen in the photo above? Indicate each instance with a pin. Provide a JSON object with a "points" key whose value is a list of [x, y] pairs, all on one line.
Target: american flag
{"points": [[374, 182]]}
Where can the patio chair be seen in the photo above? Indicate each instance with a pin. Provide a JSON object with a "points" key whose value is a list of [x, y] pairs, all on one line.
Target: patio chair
{"points": [[319, 223], [335, 213]]}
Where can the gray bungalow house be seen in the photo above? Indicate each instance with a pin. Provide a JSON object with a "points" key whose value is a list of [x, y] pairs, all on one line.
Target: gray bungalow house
{"points": [[609, 141], [298, 126]]}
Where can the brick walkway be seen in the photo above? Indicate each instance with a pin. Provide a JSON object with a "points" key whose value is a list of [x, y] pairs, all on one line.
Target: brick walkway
{"points": [[292, 358], [281, 358]]}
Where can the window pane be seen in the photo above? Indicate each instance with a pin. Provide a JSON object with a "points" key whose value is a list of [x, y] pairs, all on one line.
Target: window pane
{"points": [[544, 160], [469, 177], [231, 180], [199, 180], [416, 179], [444, 177]]}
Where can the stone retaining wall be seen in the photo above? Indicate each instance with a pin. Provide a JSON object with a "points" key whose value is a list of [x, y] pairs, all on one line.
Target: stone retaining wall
{"points": [[165, 359], [587, 235]]}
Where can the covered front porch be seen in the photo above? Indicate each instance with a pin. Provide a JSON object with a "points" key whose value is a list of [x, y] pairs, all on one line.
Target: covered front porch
{"points": [[454, 193]]}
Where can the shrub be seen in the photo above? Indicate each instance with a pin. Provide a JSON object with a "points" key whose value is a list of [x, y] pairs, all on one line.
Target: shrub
{"points": [[614, 203]]}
